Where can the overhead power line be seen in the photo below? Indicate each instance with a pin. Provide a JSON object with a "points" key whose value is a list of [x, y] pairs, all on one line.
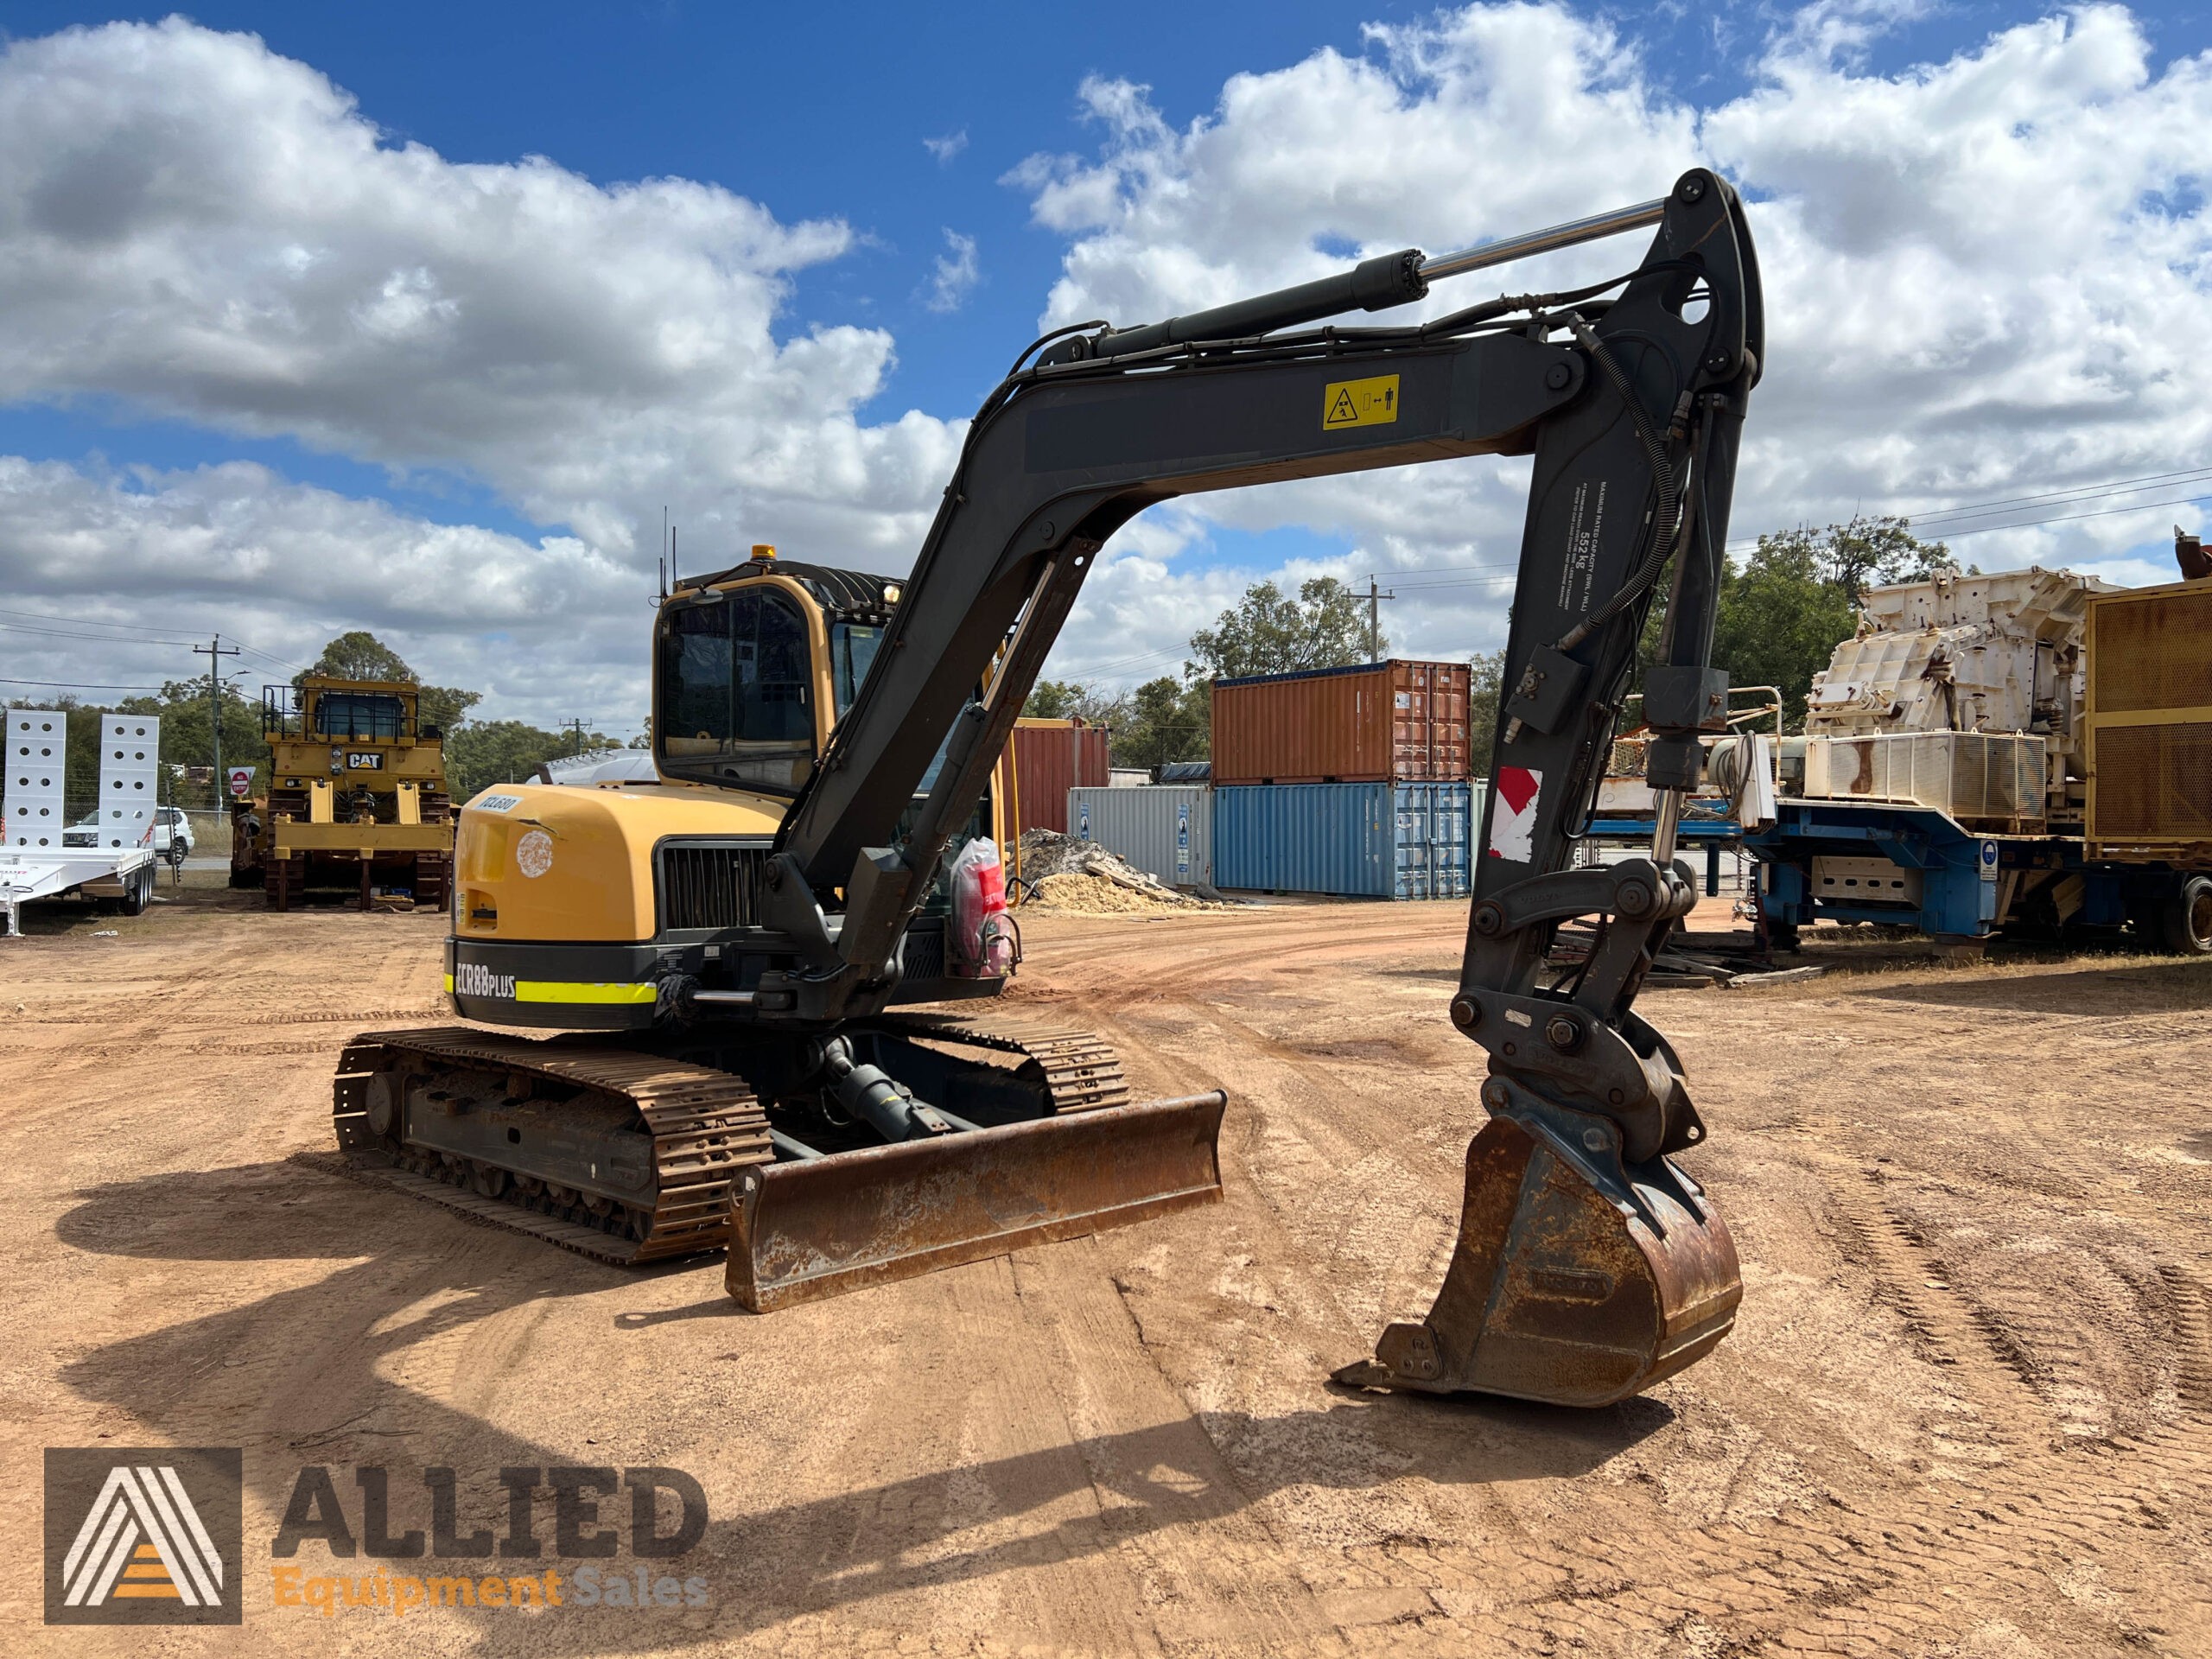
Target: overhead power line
{"points": [[2143, 481], [77, 623], [79, 685], [99, 639]]}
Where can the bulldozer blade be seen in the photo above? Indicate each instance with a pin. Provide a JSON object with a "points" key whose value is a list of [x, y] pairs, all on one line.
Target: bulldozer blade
{"points": [[1577, 1280], [822, 1226]]}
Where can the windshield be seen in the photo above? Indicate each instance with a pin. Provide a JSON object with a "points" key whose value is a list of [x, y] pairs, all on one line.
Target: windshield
{"points": [[852, 653], [735, 701], [358, 714]]}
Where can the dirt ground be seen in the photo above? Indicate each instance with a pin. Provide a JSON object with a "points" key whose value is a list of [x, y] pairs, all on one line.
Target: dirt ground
{"points": [[1964, 1409]]}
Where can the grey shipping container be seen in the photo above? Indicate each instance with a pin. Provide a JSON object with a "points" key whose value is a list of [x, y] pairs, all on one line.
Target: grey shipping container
{"points": [[1164, 829], [1382, 841]]}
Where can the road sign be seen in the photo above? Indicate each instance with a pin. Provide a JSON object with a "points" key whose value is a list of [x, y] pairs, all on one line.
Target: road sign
{"points": [[241, 782]]}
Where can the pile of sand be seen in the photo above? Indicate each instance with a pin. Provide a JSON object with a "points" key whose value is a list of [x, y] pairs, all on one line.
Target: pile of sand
{"points": [[1098, 896], [1084, 877]]}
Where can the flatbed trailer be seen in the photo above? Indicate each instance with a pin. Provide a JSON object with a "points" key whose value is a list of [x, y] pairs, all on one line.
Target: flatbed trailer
{"points": [[122, 876], [1913, 866]]}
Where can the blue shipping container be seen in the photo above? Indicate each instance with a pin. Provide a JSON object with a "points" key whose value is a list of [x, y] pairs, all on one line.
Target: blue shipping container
{"points": [[1380, 841]]}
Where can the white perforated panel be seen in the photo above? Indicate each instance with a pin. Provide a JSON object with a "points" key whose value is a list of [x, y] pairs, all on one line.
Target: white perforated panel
{"points": [[131, 753], [38, 746]]}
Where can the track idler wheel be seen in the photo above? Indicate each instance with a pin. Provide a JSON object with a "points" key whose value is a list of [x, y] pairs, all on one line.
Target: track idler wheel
{"points": [[1578, 1279]]}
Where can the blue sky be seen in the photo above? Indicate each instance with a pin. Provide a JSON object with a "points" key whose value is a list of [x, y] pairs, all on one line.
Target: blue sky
{"points": [[906, 132]]}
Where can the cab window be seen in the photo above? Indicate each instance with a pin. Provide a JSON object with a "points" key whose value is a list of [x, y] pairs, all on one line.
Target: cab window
{"points": [[852, 653], [358, 714], [735, 694]]}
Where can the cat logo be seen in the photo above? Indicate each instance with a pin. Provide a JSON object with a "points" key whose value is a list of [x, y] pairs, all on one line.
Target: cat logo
{"points": [[143, 1548]]}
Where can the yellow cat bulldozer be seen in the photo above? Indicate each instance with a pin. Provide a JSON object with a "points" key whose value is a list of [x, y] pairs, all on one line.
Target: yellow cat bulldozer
{"points": [[771, 997], [357, 800]]}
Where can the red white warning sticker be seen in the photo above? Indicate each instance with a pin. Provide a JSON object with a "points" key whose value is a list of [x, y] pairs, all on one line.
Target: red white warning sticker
{"points": [[1513, 819]]}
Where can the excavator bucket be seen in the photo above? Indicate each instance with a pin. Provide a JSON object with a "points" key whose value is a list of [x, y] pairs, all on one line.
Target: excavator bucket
{"points": [[818, 1227], [1577, 1280]]}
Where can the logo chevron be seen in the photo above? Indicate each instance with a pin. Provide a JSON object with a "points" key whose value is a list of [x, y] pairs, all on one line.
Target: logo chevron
{"points": [[143, 1539]]}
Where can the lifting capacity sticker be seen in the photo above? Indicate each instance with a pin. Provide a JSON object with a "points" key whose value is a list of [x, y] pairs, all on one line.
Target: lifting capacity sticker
{"points": [[1371, 402]]}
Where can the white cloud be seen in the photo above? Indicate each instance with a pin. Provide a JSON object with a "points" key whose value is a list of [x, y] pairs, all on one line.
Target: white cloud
{"points": [[946, 147], [235, 549], [953, 275], [1985, 277], [201, 228]]}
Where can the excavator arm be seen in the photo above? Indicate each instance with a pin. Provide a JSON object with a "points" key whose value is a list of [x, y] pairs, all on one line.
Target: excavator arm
{"points": [[1587, 1265]]}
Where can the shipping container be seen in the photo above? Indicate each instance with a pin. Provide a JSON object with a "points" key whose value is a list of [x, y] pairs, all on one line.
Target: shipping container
{"points": [[1398, 721], [1164, 829], [1377, 840], [1050, 757], [1127, 778]]}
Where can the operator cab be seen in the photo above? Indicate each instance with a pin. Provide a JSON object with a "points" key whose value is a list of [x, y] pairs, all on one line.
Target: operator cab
{"points": [[757, 664]]}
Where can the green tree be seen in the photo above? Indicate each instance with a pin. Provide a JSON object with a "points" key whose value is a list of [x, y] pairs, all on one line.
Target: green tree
{"points": [[1783, 610], [1779, 619], [360, 654], [1873, 552], [1167, 719], [1482, 708], [183, 709], [1268, 633], [491, 752], [1074, 700]]}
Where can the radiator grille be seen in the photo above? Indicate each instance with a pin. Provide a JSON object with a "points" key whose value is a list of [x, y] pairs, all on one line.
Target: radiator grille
{"points": [[2154, 783], [710, 884], [924, 956], [2154, 652]]}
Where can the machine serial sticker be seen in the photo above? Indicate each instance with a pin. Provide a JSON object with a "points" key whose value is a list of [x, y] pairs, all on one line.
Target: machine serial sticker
{"points": [[1513, 815], [1372, 402], [499, 804]]}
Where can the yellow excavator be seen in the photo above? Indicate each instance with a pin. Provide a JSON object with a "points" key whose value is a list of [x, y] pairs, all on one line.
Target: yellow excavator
{"points": [[770, 987]]}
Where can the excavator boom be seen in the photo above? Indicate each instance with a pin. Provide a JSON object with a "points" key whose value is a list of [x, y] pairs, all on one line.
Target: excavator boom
{"points": [[748, 930]]}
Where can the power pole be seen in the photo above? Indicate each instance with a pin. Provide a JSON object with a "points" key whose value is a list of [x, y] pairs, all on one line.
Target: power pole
{"points": [[214, 652], [575, 730], [1375, 599]]}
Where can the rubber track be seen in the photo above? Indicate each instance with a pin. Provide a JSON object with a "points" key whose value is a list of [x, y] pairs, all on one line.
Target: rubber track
{"points": [[706, 1127], [1082, 1072]]}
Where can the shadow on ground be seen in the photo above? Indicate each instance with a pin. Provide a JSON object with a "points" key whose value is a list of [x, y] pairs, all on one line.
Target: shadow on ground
{"points": [[2125, 987], [413, 1276]]}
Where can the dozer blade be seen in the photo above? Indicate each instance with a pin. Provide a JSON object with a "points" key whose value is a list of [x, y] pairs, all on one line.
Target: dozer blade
{"points": [[819, 1227], [1577, 1280]]}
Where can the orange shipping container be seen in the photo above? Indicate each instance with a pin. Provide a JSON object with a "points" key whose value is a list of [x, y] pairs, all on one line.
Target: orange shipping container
{"points": [[1050, 757], [1397, 722]]}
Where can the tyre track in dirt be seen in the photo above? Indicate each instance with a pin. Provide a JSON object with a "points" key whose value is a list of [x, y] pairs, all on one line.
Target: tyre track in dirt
{"points": [[1125, 1444]]}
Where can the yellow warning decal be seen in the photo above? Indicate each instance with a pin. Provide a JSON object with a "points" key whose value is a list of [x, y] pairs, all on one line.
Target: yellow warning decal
{"points": [[1371, 402]]}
